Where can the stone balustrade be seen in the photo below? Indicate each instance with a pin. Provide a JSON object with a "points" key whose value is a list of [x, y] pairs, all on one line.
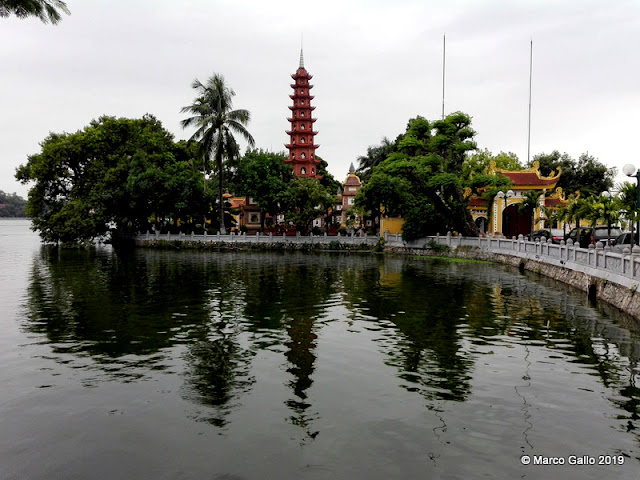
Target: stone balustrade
{"points": [[600, 261], [352, 239]]}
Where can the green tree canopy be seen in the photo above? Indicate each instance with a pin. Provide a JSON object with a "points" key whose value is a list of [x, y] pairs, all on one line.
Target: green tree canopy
{"points": [[478, 162], [45, 10], [587, 175], [422, 179], [12, 205], [115, 173], [306, 200], [265, 176], [216, 123], [376, 154]]}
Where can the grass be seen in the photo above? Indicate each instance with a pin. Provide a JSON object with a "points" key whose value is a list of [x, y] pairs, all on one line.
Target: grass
{"points": [[453, 259]]}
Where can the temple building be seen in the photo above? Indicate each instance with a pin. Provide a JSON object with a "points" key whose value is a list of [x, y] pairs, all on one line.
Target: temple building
{"points": [[301, 146], [350, 188], [505, 217]]}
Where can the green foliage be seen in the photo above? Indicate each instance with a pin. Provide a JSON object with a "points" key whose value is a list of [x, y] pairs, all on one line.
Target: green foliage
{"points": [[438, 247], [479, 162], [46, 10], [12, 205], [306, 200], [113, 173], [216, 122], [265, 176], [586, 175], [327, 181], [530, 202], [376, 154], [421, 179]]}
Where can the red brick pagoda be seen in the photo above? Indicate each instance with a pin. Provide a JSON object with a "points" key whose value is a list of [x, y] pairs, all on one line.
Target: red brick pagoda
{"points": [[301, 146]]}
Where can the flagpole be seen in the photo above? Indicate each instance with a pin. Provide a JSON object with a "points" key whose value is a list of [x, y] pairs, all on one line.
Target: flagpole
{"points": [[529, 127], [444, 50]]}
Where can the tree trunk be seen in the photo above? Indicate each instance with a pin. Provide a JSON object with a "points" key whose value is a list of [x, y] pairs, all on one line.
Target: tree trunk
{"points": [[223, 230]]}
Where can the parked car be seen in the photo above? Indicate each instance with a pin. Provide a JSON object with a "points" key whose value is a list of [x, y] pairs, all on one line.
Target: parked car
{"points": [[600, 234], [556, 235], [590, 235], [623, 241]]}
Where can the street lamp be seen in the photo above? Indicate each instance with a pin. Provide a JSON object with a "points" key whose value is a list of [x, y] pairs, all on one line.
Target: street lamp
{"points": [[629, 170], [508, 195]]}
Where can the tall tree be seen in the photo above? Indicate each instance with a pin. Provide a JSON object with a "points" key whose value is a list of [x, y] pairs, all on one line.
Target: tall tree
{"points": [[478, 162], [626, 201], [113, 172], [46, 10], [307, 199], [603, 209], [376, 154], [265, 176], [587, 175], [12, 205], [422, 180], [216, 122]]}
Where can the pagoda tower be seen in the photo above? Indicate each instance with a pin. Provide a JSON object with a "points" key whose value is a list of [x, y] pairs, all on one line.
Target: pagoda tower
{"points": [[301, 146]]}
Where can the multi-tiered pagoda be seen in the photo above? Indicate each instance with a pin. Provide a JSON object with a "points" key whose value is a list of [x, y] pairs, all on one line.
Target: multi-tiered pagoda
{"points": [[301, 146]]}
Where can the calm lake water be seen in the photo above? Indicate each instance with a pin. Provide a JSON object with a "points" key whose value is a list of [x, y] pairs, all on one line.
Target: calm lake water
{"points": [[231, 366]]}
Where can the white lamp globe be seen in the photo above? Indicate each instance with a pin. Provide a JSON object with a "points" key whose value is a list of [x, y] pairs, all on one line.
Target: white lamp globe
{"points": [[629, 170]]}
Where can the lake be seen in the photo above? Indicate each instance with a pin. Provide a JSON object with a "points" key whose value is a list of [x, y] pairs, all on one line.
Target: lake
{"points": [[154, 364]]}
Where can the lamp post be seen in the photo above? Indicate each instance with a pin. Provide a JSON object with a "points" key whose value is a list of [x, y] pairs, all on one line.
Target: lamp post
{"points": [[629, 170], [506, 197]]}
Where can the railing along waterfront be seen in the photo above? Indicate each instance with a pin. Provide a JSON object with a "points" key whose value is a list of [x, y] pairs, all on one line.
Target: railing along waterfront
{"points": [[352, 239], [596, 260]]}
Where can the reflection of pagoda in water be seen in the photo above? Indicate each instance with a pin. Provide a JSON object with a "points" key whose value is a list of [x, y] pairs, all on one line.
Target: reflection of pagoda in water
{"points": [[301, 146]]}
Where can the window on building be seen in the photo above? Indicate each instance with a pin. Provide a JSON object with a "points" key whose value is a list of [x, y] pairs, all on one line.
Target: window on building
{"points": [[353, 189], [351, 200], [303, 171], [313, 172], [301, 102], [302, 113], [302, 126], [302, 140], [303, 155]]}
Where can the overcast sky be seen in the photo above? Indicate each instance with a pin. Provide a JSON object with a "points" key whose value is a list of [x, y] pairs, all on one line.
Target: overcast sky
{"points": [[375, 64]]}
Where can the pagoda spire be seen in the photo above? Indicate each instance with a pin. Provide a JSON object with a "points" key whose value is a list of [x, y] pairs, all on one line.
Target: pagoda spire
{"points": [[301, 146]]}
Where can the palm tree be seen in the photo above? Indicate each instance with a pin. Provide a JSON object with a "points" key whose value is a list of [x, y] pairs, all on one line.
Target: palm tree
{"points": [[604, 209], [216, 122], [45, 10], [530, 204], [575, 212], [626, 200], [374, 157]]}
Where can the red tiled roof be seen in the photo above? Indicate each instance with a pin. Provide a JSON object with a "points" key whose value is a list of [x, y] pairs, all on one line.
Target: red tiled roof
{"points": [[555, 202], [529, 178], [478, 202]]}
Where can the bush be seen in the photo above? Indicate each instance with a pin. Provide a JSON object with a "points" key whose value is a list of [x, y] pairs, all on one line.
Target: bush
{"points": [[437, 247]]}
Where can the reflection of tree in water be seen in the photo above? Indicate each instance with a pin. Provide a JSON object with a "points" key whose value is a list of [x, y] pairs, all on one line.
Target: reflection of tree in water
{"points": [[117, 314], [428, 313], [106, 306], [279, 299]]}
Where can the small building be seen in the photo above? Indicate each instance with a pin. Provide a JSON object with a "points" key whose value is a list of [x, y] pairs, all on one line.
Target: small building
{"points": [[350, 189], [505, 216]]}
